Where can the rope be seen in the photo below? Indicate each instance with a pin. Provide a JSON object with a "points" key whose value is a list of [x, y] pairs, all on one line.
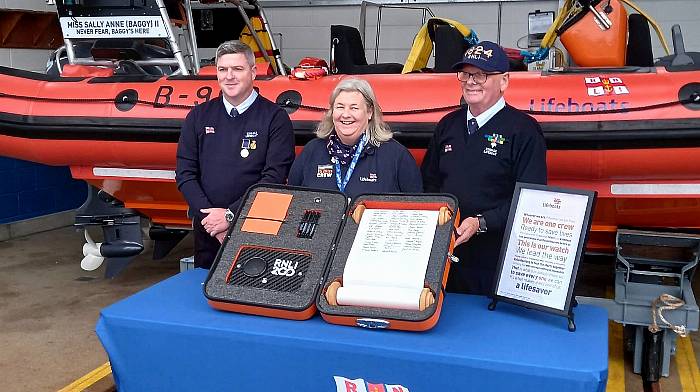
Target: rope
{"points": [[97, 100], [669, 303], [694, 98], [291, 104]]}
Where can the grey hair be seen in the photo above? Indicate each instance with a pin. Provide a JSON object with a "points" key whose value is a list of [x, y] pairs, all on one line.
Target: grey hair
{"points": [[233, 47], [377, 130]]}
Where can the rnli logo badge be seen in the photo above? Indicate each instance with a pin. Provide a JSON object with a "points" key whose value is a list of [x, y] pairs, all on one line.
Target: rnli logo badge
{"points": [[324, 171], [495, 140], [209, 130], [598, 86], [448, 147], [371, 177], [251, 134]]}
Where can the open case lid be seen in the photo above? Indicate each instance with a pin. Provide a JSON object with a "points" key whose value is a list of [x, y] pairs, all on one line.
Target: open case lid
{"points": [[293, 267], [435, 276]]}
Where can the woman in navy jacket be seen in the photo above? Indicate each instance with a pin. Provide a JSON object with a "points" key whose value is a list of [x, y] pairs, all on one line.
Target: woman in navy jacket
{"points": [[354, 151]]}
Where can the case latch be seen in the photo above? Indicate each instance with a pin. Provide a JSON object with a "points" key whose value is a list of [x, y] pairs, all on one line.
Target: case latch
{"points": [[453, 258], [372, 323]]}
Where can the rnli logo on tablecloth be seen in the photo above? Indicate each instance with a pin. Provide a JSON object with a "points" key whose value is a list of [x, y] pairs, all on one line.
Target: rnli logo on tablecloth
{"points": [[343, 384], [209, 130], [495, 139], [371, 177], [448, 148], [324, 171], [599, 85]]}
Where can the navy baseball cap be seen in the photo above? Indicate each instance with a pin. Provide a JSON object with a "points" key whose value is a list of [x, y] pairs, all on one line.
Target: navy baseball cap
{"points": [[487, 56]]}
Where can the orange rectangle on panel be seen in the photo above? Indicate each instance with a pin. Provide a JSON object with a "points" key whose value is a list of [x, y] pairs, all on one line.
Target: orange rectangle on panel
{"points": [[267, 213]]}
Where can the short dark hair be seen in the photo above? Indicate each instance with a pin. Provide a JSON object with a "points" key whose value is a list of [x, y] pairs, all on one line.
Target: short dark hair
{"points": [[233, 47]]}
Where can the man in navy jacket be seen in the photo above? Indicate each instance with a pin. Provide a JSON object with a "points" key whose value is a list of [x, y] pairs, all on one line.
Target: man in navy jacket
{"points": [[228, 144], [478, 153]]}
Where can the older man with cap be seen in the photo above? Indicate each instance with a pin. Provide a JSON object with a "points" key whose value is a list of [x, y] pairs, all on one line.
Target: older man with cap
{"points": [[478, 153]]}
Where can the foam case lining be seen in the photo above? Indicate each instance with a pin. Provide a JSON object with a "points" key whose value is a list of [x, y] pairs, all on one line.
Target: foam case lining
{"points": [[435, 277], [287, 276], [293, 267]]}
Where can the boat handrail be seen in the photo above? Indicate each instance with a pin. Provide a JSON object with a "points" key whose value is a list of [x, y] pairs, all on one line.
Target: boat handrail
{"points": [[177, 58], [241, 5], [174, 46], [363, 19]]}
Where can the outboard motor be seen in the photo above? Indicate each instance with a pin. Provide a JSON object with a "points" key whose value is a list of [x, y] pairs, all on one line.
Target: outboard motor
{"points": [[121, 228]]}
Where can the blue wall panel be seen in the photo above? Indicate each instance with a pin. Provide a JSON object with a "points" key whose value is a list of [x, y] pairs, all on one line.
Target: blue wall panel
{"points": [[28, 190]]}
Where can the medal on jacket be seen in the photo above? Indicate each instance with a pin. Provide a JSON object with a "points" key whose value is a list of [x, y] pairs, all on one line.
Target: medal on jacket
{"points": [[245, 148], [342, 184]]}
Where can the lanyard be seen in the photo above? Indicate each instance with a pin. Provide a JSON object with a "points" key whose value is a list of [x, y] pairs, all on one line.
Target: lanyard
{"points": [[351, 168]]}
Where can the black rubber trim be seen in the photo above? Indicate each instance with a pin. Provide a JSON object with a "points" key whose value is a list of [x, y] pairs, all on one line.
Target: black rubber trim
{"points": [[601, 70], [589, 135], [20, 73], [90, 128], [126, 79], [192, 77]]}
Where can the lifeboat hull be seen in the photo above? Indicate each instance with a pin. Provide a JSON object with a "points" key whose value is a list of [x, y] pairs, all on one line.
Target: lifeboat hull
{"points": [[632, 137]]}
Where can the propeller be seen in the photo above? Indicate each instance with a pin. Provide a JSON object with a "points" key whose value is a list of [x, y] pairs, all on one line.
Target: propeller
{"points": [[93, 256]]}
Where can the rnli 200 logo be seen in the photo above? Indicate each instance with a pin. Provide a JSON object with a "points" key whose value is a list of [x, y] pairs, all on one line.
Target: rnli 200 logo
{"points": [[284, 267]]}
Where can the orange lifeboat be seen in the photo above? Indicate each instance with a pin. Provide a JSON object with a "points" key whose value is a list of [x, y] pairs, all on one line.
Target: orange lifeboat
{"points": [[630, 133]]}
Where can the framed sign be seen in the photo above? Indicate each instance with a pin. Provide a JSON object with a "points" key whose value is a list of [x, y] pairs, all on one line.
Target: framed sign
{"points": [[544, 239]]}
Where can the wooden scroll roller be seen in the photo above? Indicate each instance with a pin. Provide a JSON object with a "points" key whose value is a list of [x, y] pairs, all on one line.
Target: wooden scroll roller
{"points": [[427, 298], [444, 216], [357, 214], [331, 293]]}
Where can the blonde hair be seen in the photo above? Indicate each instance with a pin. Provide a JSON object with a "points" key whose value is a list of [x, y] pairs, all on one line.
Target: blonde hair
{"points": [[377, 130]]}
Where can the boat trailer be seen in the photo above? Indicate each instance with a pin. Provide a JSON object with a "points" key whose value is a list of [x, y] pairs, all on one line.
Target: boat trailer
{"points": [[653, 294]]}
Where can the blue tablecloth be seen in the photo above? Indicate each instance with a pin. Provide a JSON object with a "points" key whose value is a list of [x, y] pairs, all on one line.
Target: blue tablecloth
{"points": [[167, 338]]}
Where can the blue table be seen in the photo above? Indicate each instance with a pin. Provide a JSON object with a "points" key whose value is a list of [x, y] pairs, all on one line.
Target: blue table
{"points": [[167, 338]]}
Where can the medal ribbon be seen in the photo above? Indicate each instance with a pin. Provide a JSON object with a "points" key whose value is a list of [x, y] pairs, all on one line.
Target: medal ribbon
{"points": [[342, 184]]}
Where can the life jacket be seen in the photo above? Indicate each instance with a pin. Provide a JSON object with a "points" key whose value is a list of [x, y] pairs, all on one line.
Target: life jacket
{"points": [[423, 43], [247, 38]]}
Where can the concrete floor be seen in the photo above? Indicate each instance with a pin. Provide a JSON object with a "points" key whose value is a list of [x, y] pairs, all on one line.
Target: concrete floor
{"points": [[49, 307]]}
